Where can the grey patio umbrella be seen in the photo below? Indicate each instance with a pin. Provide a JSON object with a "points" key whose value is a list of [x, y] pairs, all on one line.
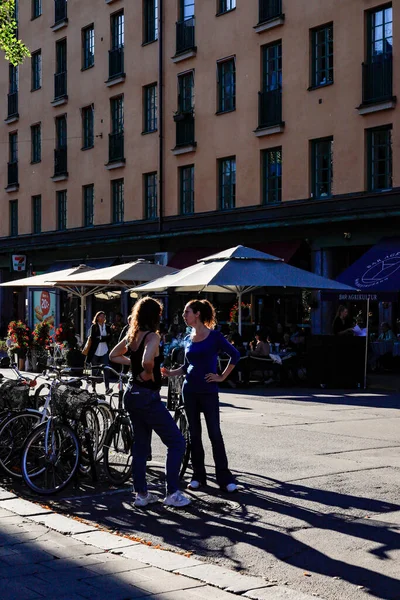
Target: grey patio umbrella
{"points": [[240, 270]]}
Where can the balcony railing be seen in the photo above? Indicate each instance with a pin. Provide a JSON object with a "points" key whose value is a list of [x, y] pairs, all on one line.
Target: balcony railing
{"points": [[184, 129], [116, 147], [60, 85], [60, 10], [185, 35], [269, 108], [269, 9], [60, 161], [12, 108], [12, 173], [378, 79], [115, 62]]}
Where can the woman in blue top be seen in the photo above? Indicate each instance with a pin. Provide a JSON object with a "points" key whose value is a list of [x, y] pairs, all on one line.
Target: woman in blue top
{"points": [[200, 390]]}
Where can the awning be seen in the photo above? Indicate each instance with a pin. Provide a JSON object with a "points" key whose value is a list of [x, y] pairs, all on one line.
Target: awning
{"points": [[189, 256], [95, 263], [378, 270]]}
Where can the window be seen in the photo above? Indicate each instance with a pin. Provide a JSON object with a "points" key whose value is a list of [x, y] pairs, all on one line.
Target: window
{"points": [[14, 217], [226, 85], [322, 167], [225, 6], [272, 176], [186, 89], [60, 78], [36, 143], [36, 214], [150, 196], [12, 79], [61, 132], [36, 8], [150, 108], [88, 127], [36, 70], [88, 47], [227, 183], [117, 114], [380, 158], [186, 9], [117, 30], [322, 56], [150, 18], [13, 147], [186, 189], [272, 67], [62, 210], [117, 196], [380, 34], [88, 205]]}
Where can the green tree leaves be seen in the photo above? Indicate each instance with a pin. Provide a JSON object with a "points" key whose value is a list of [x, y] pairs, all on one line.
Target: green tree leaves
{"points": [[14, 49]]}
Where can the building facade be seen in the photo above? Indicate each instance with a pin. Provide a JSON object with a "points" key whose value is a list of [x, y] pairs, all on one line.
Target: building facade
{"points": [[172, 128]]}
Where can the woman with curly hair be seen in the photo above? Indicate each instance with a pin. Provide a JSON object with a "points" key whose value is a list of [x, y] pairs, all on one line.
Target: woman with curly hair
{"points": [[200, 390], [143, 403]]}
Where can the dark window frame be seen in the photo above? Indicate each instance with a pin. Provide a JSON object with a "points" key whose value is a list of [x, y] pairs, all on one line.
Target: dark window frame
{"points": [[186, 192], [373, 174], [88, 47], [13, 218], [322, 50], [227, 201], [88, 205], [271, 182], [150, 195], [371, 39], [117, 30], [150, 108], [150, 21], [37, 9], [36, 70], [36, 143], [117, 200], [37, 214], [318, 170], [13, 79], [186, 92], [13, 146], [87, 127], [225, 6], [62, 214], [184, 14], [226, 85]]}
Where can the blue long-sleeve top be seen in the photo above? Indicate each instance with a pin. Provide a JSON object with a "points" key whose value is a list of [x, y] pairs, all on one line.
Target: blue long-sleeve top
{"points": [[201, 358]]}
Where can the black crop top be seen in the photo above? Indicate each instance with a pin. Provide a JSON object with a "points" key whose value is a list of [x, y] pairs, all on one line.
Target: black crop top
{"points": [[137, 367]]}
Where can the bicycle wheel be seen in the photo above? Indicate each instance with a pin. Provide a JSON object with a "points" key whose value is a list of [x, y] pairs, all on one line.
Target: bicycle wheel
{"points": [[87, 430], [13, 433], [182, 423], [117, 451], [50, 457], [105, 418]]}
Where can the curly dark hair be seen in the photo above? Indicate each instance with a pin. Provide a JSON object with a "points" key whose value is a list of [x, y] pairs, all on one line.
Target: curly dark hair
{"points": [[146, 316]]}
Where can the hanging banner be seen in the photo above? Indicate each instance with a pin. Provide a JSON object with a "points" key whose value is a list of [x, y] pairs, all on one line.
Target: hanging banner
{"points": [[359, 296], [44, 308], [19, 262]]}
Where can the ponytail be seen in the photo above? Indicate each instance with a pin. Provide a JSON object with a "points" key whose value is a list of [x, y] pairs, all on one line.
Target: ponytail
{"points": [[206, 310]]}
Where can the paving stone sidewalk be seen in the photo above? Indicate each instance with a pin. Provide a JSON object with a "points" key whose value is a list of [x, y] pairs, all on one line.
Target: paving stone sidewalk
{"points": [[46, 555]]}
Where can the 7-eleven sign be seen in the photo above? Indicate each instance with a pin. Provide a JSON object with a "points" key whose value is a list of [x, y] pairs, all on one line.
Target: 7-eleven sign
{"points": [[19, 262]]}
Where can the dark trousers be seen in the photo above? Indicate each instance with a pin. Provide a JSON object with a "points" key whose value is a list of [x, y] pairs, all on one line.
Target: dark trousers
{"points": [[208, 404], [102, 360], [147, 412]]}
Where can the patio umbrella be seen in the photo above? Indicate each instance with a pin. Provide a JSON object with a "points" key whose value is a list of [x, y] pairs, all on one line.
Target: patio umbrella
{"points": [[86, 283], [240, 270]]}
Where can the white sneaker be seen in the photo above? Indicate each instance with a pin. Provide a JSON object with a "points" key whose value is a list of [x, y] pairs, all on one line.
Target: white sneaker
{"points": [[194, 485], [145, 500], [176, 499], [231, 487]]}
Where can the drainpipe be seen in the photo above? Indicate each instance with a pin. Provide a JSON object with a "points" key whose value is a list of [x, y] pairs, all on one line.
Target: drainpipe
{"points": [[160, 114]]}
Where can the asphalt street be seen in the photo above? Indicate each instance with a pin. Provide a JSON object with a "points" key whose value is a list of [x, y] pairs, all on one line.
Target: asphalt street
{"points": [[318, 510]]}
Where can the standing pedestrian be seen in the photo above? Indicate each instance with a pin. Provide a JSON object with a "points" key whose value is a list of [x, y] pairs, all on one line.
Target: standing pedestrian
{"points": [[100, 335], [200, 390], [143, 403]]}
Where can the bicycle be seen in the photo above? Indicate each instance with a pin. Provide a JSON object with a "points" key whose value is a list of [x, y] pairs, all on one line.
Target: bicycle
{"points": [[175, 403], [56, 448]]}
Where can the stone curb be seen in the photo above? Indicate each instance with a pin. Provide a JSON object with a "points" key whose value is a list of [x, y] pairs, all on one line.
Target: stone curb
{"points": [[246, 586]]}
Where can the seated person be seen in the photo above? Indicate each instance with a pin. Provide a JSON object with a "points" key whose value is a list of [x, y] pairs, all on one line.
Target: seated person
{"points": [[387, 334], [287, 344], [260, 348]]}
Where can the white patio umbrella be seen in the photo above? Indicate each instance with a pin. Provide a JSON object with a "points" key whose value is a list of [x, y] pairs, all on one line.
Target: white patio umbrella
{"points": [[84, 284], [240, 270]]}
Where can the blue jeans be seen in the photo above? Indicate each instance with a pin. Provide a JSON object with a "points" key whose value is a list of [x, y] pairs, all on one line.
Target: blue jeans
{"points": [[208, 404], [147, 412], [102, 360]]}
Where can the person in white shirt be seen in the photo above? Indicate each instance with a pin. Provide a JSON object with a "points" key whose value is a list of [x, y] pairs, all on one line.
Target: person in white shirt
{"points": [[100, 335]]}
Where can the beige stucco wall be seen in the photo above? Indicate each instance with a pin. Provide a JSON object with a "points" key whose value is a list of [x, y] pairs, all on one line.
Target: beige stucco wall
{"points": [[217, 136]]}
